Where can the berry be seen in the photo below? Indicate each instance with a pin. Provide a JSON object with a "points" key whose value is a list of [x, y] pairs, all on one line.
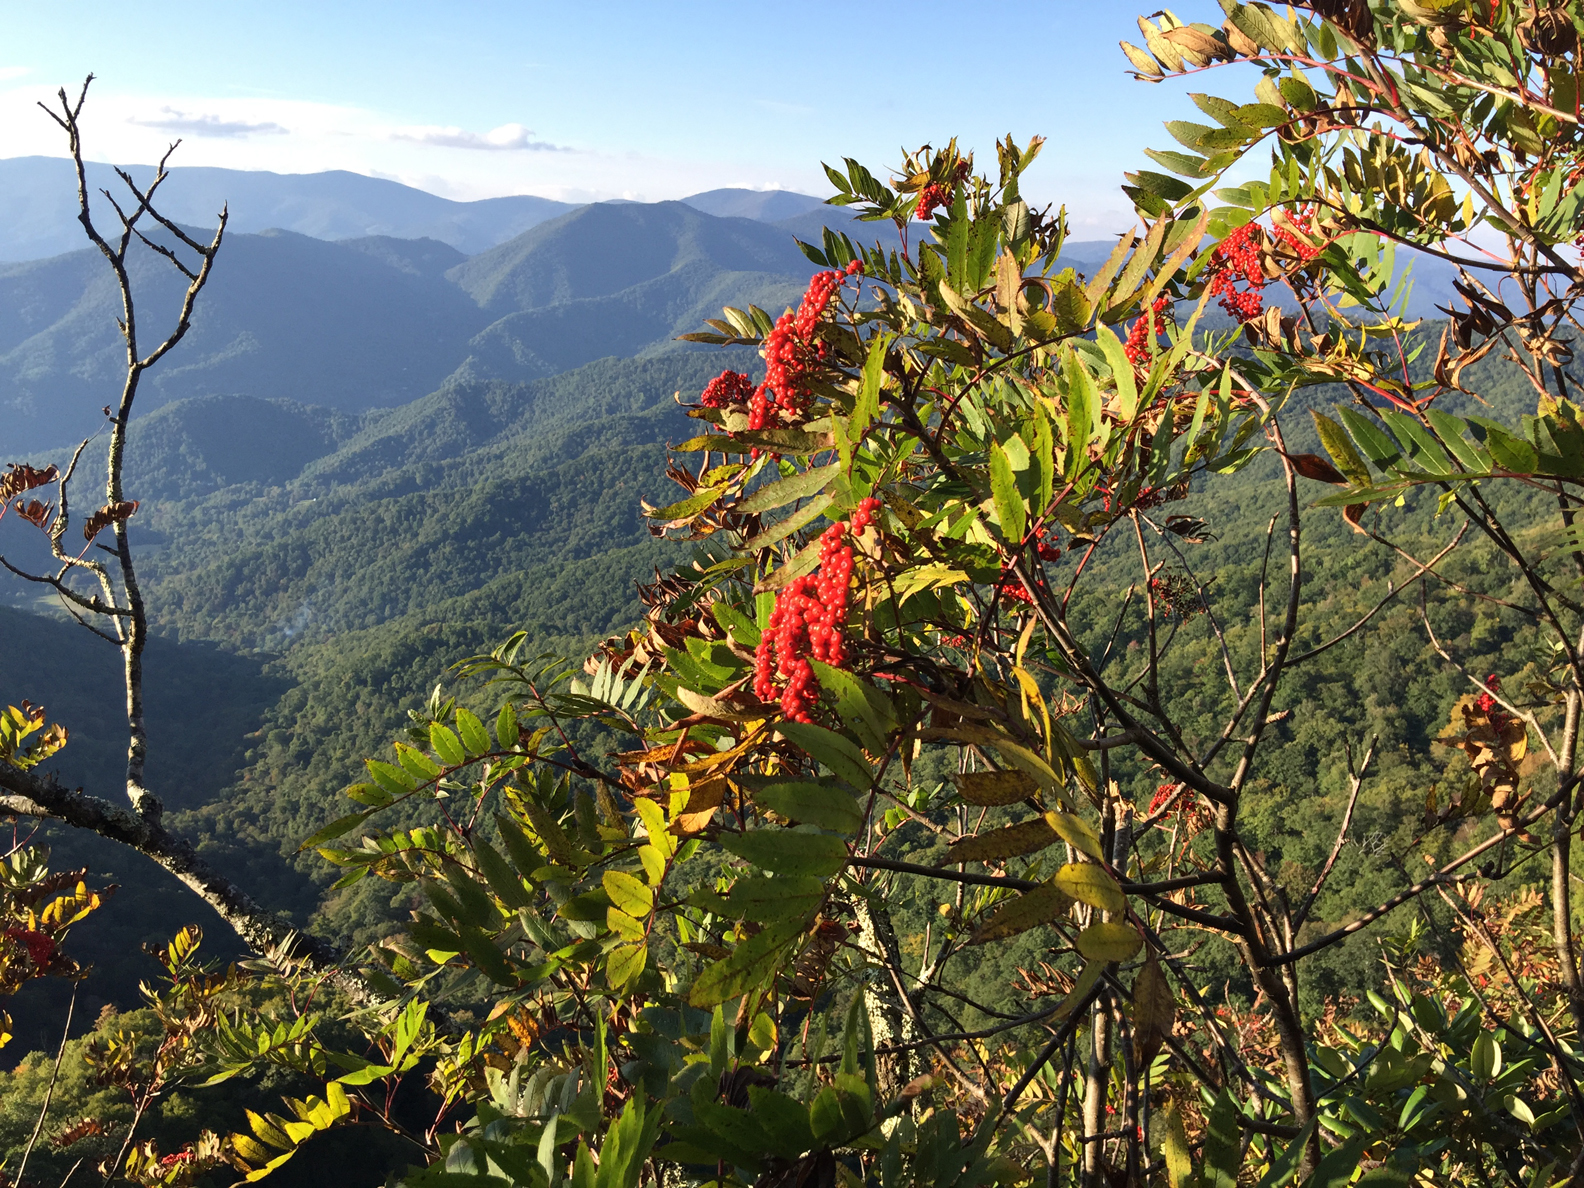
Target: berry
{"points": [[40, 946], [791, 351], [729, 387], [1485, 701], [1143, 332], [1237, 259], [1013, 591], [809, 621], [930, 197]]}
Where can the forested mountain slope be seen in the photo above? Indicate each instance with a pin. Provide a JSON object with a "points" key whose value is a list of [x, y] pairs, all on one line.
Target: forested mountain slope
{"points": [[378, 322]]}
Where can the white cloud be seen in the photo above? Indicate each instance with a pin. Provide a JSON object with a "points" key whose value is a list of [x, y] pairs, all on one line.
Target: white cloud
{"points": [[506, 138], [322, 136], [206, 124], [7, 73]]}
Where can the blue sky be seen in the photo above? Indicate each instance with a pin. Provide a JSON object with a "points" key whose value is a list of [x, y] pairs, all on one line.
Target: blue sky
{"points": [[595, 100]]}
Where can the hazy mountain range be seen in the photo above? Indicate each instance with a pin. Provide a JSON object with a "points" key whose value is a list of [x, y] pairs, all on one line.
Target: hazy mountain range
{"points": [[38, 217]]}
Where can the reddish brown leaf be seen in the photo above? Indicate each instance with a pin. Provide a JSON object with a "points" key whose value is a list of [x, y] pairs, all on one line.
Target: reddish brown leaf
{"points": [[1313, 466], [35, 513], [19, 477], [110, 513]]}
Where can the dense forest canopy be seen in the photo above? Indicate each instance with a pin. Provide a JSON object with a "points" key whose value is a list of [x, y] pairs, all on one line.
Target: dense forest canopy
{"points": [[1085, 725]]}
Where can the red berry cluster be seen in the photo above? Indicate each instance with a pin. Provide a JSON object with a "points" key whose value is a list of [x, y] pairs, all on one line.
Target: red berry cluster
{"points": [[1485, 701], [176, 1158], [809, 621], [1046, 546], [1237, 260], [791, 350], [1192, 816], [1143, 331], [930, 197], [729, 387], [40, 945], [1163, 794], [1012, 590]]}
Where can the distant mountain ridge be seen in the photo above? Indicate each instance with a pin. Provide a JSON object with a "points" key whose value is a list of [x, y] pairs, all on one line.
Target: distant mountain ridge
{"points": [[38, 218], [378, 321]]}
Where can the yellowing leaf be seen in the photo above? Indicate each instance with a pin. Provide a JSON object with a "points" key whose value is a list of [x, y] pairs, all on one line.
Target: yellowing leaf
{"points": [[629, 894], [1088, 883], [704, 798], [1026, 837], [1179, 1158], [1075, 831], [995, 788], [625, 963], [1045, 903], [1109, 941]]}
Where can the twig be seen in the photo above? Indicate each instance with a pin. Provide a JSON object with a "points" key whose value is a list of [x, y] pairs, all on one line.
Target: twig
{"points": [[49, 1090], [1347, 819]]}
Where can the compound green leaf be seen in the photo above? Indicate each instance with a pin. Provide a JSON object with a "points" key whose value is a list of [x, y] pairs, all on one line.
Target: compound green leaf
{"points": [[1045, 903], [841, 755], [813, 804], [788, 851], [1010, 509], [754, 961]]}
